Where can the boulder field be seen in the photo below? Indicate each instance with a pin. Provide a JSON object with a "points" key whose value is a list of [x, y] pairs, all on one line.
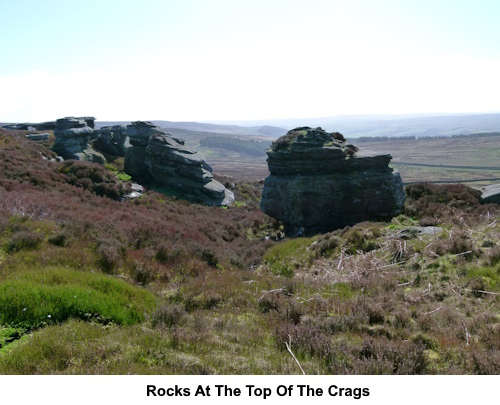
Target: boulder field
{"points": [[318, 184]]}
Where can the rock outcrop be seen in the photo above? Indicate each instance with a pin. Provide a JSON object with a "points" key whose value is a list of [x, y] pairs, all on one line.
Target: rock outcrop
{"points": [[112, 140], [317, 184], [72, 140], [158, 158], [45, 126], [37, 137], [491, 194]]}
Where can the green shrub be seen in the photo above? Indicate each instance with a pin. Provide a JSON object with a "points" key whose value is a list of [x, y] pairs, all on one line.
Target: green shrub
{"points": [[24, 240], [168, 315], [283, 258], [60, 239], [51, 295], [124, 176], [362, 238]]}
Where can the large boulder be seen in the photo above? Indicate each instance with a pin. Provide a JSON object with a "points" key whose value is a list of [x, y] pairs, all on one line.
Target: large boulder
{"points": [[162, 160], [317, 184], [72, 140], [491, 194]]}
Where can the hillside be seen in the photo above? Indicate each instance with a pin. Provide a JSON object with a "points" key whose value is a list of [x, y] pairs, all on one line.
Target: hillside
{"points": [[255, 130], [354, 126], [94, 284]]}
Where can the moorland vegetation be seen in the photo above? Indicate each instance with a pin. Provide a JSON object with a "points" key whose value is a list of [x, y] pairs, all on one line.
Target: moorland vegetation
{"points": [[91, 283]]}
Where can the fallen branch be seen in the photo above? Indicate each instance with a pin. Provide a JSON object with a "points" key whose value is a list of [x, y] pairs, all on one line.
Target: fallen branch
{"points": [[289, 347], [467, 335], [464, 253], [270, 291], [408, 283], [481, 291], [428, 313]]}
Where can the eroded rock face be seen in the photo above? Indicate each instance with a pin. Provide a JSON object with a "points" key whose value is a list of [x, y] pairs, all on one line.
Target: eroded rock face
{"points": [[491, 194], [161, 159], [113, 140], [317, 184], [72, 140]]}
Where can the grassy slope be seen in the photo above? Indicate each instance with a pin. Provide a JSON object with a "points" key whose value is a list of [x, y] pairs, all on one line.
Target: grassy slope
{"points": [[192, 289]]}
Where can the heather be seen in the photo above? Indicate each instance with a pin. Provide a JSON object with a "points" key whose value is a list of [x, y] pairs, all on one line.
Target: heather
{"points": [[157, 285]]}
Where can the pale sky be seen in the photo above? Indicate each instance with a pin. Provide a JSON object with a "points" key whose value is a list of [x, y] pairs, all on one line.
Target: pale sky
{"points": [[194, 60]]}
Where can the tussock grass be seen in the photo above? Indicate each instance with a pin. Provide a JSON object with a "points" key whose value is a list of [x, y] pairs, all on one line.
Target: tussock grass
{"points": [[39, 297], [283, 258]]}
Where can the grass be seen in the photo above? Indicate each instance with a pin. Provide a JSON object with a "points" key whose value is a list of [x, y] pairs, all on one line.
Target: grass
{"points": [[124, 176], [45, 296], [282, 259]]}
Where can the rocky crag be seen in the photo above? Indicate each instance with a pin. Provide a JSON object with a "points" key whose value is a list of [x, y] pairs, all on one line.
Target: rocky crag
{"points": [[45, 126], [112, 140], [158, 158], [72, 139], [317, 184]]}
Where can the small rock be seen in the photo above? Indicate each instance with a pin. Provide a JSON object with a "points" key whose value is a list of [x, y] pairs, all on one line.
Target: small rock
{"points": [[37, 137]]}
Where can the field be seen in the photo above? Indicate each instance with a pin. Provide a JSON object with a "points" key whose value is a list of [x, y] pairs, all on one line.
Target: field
{"points": [[474, 160], [471, 160], [92, 284]]}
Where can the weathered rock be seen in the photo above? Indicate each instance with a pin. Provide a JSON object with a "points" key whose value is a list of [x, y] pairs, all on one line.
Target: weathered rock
{"points": [[491, 194], [136, 192], [19, 127], [317, 184], [138, 133], [112, 140], [72, 140], [37, 137], [165, 161]]}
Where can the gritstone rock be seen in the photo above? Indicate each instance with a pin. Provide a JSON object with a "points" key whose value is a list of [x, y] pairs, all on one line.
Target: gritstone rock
{"points": [[37, 137], [317, 184], [112, 140], [72, 140], [158, 158], [491, 194]]}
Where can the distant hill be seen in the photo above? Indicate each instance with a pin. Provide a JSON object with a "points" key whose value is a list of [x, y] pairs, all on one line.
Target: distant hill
{"points": [[355, 126], [352, 126], [221, 129]]}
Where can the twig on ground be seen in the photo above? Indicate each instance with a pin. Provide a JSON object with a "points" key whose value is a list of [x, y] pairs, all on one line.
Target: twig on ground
{"points": [[270, 291], [408, 283], [289, 347], [431, 312], [464, 253], [481, 291]]}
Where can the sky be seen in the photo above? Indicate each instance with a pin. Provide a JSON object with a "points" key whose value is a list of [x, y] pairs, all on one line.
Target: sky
{"points": [[215, 60]]}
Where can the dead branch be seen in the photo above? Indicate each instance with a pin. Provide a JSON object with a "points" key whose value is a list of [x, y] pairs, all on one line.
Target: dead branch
{"points": [[481, 291], [431, 312], [289, 347], [270, 291], [464, 253]]}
